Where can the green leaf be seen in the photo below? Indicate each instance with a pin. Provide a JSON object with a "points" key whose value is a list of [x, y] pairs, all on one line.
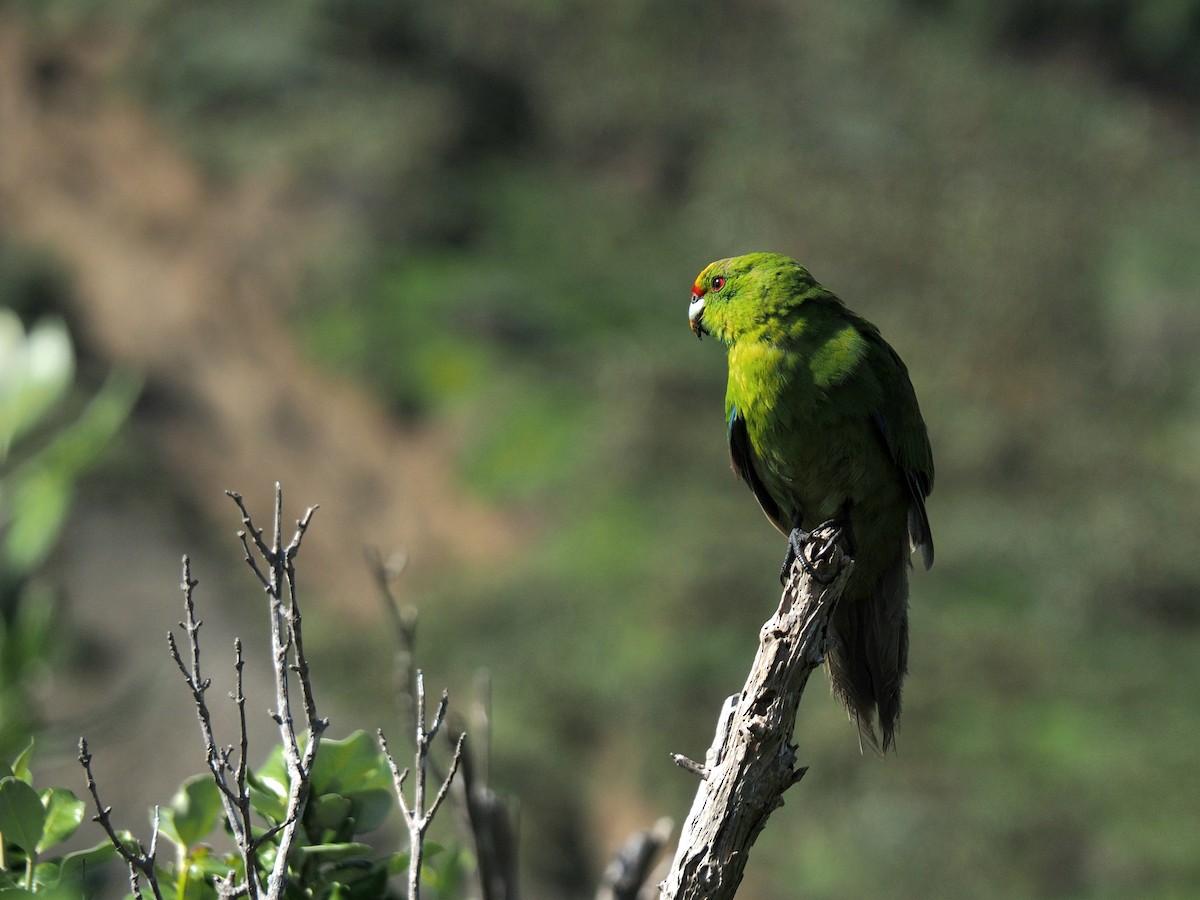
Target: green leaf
{"points": [[371, 808], [269, 787], [273, 772], [329, 852], [352, 879], [445, 874], [21, 814], [204, 863], [328, 812], [40, 497], [64, 813], [28, 642], [41, 488], [355, 768], [20, 766], [352, 768], [73, 865], [193, 812], [397, 863], [349, 765], [35, 371]]}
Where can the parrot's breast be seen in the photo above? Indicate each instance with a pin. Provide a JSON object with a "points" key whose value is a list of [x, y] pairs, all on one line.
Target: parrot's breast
{"points": [[813, 443]]}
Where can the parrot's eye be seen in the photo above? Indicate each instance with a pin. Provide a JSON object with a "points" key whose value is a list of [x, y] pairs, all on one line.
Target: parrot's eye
{"points": [[718, 282]]}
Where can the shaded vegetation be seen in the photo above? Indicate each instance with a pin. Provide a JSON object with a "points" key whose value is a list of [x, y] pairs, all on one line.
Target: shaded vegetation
{"points": [[1154, 43], [523, 192], [53, 429]]}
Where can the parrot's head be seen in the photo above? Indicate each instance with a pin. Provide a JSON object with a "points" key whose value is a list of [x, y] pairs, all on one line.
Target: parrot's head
{"points": [[739, 296]]}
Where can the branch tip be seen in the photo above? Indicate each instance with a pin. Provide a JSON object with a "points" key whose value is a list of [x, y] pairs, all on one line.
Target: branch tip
{"points": [[690, 765]]}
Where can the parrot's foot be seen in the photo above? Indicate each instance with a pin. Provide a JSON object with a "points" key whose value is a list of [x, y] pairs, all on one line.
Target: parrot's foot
{"points": [[810, 547], [826, 536], [795, 551]]}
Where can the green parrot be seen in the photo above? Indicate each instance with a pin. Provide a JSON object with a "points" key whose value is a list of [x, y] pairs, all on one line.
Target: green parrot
{"points": [[824, 427]]}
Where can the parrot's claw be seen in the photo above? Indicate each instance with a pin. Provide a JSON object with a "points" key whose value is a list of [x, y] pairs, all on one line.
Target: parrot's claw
{"points": [[810, 547], [795, 551], [824, 538]]}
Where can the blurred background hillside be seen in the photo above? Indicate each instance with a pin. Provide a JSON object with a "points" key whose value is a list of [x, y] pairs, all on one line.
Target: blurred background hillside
{"points": [[427, 264]]}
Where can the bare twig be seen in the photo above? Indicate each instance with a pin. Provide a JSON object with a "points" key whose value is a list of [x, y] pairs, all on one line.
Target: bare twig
{"points": [[752, 760], [484, 819], [403, 620], [689, 765], [278, 577], [140, 863], [626, 875], [236, 797], [229, 887], [416, 817], [489, 818], [240, 782]]}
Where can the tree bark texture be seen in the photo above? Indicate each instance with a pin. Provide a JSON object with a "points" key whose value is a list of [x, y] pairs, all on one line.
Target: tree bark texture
{"points": [[752, 760]]}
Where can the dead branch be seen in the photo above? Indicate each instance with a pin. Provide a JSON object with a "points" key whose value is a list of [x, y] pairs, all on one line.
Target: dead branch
{"points": [[752, 760], [274, 567], [626, 875], [416, 817], [489, 820], [235, 797], [141, 863], [485, 820], [403, 620], [287, 645]]}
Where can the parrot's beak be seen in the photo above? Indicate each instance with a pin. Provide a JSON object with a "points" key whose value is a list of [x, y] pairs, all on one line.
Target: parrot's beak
{"points": [[696, 315]]}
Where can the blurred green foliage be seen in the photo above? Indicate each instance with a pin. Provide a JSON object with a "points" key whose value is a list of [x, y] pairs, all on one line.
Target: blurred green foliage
{"points": [[1152, 42], [526, 189], [47, 441]]}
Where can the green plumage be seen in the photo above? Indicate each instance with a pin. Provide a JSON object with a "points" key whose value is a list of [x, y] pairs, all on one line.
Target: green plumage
{"points": [[824, 424]]}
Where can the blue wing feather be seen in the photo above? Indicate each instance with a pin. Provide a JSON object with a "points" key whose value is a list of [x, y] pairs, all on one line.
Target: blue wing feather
{"points": [[741, 457]]}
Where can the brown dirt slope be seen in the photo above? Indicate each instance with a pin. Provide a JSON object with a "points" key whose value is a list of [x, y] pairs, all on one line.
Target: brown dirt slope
{"points": [[189, 284]]}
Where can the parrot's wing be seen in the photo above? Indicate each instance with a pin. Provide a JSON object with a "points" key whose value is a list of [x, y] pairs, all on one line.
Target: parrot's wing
{"points": [[898, 420], [918, 484], [741, 456]]}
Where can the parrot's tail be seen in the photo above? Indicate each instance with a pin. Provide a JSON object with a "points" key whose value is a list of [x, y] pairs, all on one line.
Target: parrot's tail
{"points": [[868, 657]]}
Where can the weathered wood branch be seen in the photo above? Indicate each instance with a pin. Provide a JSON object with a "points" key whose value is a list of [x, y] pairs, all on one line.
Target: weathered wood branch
{"points": [[626, 876], [486, 820], [752, 760]]}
